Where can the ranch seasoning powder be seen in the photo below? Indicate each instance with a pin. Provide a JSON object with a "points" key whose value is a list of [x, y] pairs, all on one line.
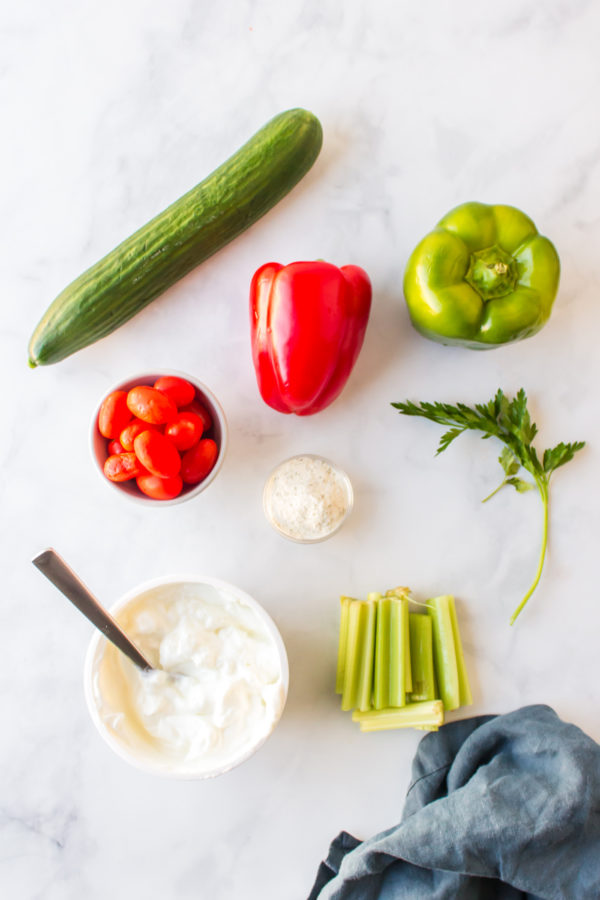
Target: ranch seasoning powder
{"points": [[307, 498]]}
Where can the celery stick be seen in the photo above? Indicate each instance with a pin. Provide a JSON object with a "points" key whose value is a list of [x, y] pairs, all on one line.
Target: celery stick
{"points": [[444, 652], [421, 657], [343, 643], [429, 713], [466, 697], [398, 592], [358, 671], [402, 593], [352, 661], [381, 676], [397, 692], [365, 684], [408, 685]]}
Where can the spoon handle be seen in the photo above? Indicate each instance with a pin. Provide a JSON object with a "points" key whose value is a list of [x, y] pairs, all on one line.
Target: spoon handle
{"points": [[64, 578]]}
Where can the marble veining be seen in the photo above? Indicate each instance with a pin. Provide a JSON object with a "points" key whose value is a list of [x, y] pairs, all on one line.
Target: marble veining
{"points": [[110, 112]]}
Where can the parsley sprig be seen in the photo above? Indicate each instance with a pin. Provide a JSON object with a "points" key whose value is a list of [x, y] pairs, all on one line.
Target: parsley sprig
{"points": [[510, 421]]}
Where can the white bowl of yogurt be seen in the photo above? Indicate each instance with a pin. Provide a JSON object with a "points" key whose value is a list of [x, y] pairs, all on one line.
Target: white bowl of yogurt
{"points": [[219, 688]]}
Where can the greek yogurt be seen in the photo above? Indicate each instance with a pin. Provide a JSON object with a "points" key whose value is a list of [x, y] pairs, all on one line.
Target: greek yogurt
{"points": [[217, 692]]}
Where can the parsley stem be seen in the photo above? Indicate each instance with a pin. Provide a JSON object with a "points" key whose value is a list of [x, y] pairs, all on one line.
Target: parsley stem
{"points": [[494, 492], [542, 484]]}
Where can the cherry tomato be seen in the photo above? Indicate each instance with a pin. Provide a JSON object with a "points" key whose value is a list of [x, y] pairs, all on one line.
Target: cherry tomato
{"points": [[180, 391], [151, 405], [114, 414], [115, 447], [197, 462], [185, 431], [199, 410], [122, 467], [160, 488], [157, 453], [131, 431]]}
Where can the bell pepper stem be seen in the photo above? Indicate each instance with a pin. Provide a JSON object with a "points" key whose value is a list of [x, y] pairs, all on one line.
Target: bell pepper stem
{"points": [[543, 489]]}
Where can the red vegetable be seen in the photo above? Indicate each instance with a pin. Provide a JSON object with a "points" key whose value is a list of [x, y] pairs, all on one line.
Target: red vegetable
{"points": [[199, 410], [157, 454], [160, 488], [115, 447], [151, 405], [131, 431], [308, 322], [198, 462], [180, 391], [114, 414], [122, 467], [147, 435], [185, 431]]}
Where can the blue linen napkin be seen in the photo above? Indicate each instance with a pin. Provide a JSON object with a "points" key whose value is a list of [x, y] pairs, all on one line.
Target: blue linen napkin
{"points": [[504, 807]]}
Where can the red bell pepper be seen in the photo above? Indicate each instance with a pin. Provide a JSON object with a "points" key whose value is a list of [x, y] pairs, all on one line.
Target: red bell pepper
{"points": [[308, 322]]}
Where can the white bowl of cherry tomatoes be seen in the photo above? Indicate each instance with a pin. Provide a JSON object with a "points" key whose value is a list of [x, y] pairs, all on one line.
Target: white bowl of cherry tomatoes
{"points": [[159, 438]]}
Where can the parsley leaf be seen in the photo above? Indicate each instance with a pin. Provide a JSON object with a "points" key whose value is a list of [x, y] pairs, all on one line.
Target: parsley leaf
{"points": [[509, 462], [559, 455], [508, 420]]}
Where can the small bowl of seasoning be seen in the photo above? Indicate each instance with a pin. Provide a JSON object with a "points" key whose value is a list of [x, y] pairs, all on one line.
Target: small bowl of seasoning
{"points": [[307, 498]]}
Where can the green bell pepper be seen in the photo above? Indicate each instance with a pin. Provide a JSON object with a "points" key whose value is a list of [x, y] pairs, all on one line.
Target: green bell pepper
{"points": [[483, 277]]}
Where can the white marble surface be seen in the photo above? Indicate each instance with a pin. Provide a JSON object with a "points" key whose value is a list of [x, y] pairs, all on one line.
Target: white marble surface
{"points": [[110, 111]]}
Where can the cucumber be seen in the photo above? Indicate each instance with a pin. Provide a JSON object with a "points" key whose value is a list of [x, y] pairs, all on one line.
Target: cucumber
{"points": [[214, 212]]}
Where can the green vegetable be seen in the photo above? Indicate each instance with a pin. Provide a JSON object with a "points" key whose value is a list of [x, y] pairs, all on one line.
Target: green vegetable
{"points": [[343, 643], [444, 651], [213, 213], [425, 715], [381, 642], [400, 647], [391, 647], [381, 676], [360, 645], [398, 652], [365, 681], [481, 278], [508, 420], [421, 658], [464, 688]]}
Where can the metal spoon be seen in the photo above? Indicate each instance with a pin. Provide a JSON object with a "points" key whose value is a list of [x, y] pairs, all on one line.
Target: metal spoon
{"points": [[64, 578]]}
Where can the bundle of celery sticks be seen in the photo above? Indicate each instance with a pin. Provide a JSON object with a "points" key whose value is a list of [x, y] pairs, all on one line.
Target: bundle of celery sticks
{"points": [[397, 668]]}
